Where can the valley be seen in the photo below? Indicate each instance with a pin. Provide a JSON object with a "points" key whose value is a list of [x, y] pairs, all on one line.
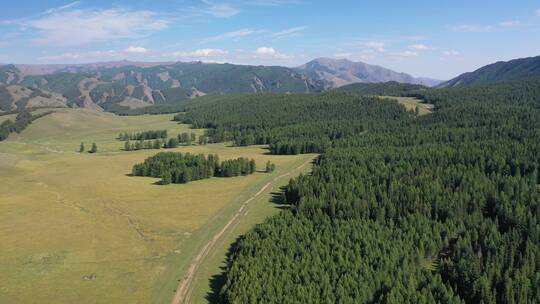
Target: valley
{"points": [[269, 151]]}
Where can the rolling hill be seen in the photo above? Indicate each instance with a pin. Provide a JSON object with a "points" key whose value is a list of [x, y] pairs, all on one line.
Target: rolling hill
{"points": [[340, 72], [114, 85], [518, 69]]}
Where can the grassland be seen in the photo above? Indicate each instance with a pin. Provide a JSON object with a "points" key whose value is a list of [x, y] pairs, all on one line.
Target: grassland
{"points": [[75, 228], [411, 103], [7, 117]]}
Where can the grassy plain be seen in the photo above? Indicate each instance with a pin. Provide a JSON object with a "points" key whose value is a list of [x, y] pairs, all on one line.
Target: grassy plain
{"points": [[75, 228], [411, 103]]}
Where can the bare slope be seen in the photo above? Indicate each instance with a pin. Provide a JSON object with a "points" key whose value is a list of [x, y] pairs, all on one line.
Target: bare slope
{"points": [[339, 72]]}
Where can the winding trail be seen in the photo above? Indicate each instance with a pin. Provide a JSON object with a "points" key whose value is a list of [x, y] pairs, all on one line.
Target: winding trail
{"points": [[182, 291]]}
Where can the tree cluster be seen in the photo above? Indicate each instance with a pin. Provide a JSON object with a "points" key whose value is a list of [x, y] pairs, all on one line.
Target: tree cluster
{"points": [[145, 135], [148, 144], [270, 167], [180, 168], [187, 138], [237, 167], [163, 142]]}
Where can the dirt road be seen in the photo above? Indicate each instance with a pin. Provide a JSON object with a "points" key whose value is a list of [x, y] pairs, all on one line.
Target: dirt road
{"points": [[182, 292]]}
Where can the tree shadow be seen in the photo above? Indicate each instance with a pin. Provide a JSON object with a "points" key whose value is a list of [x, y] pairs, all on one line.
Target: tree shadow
{"points": [[278, 199]]}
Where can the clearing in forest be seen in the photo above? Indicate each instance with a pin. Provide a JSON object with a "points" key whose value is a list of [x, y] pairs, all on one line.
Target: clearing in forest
{"points": [[411, 103]]}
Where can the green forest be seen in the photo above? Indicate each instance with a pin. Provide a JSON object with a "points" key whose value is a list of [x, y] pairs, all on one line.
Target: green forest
{"points": [[291, 123], [399, 208], [390, 88]]}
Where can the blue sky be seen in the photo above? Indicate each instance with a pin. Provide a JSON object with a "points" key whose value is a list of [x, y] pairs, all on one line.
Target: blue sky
{"points": [[437, 39]]}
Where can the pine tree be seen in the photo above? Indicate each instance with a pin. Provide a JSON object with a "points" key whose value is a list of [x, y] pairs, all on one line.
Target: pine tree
{"points": [[202, 140], [270, 167], [252, 166], [183, 138], [81, 148], [173, 143], [94, 148], [166, 178], [127, 146]]}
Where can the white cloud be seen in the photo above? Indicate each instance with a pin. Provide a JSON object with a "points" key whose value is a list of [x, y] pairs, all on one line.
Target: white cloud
{"points": [[97, 55], [377, 46], [265, 51], [79, 27], [202, 53], [270, 53], [289, 31], [233, 35], [468, 28], [63, 7], [419, 47], [451, 53], [221, 10], [343, 55], [406, 54], [82, 56], [510, 23], [136, 50]]}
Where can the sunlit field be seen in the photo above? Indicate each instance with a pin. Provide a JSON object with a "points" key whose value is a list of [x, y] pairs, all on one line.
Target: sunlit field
{"points": [[75, 228]]}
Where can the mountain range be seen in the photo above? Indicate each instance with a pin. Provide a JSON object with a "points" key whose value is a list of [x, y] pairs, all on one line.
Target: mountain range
{"points": [[517, 69], [125, 84]]}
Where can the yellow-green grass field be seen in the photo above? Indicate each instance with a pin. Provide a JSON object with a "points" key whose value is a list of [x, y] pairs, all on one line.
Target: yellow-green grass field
{"points": [[7, 117], [75, 228], [411, 103]]}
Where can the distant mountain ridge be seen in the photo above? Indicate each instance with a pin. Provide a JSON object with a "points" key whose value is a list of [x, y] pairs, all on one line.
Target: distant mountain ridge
{"points": [[340, 72], [127, 84], [517, 69], [45, 69]]}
